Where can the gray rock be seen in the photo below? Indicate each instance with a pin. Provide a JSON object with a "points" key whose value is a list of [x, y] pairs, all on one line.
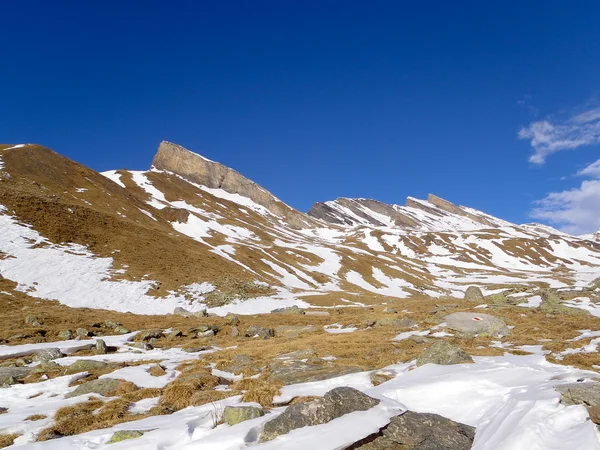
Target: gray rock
{"points": [[289, 310], [335, 403], [551, 304], [587, 393], [445, 353], [424, 431], [82, 332], [234, 332], [206, 334], [395, 322], [33, 321], [48, 354], [7, 381], [141, 345], [101, 348], [8, 374], [179, 311], [194, 349], [389, 311], [150, 334], [86, 365], [201, 313], [291, 331], [232, 319], [474, 294], [111, 324], [121, 330], [3, 410], [233, 415], [104, 386], [470, 323], [65, 335], [124, 435], [261, 332], [174, 334], [46, 366], [302, 366]]}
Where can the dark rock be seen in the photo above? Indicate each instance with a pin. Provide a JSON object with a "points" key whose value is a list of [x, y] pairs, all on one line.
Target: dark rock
{"points": [[335, 403], [445, 353]]}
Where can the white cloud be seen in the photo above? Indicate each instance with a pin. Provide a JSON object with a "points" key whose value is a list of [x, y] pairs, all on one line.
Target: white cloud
{"points": [[547, 136], [575, 211]]}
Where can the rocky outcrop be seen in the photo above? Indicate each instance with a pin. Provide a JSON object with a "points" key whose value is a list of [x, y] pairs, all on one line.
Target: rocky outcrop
{"points": [[359, 207], [193, 167]]}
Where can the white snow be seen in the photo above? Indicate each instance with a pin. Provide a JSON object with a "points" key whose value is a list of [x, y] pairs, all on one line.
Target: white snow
{"points": [[113, 176]]}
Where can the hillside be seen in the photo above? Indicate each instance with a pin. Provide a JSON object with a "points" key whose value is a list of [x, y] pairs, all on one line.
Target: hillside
{"points": [[179, 267]]}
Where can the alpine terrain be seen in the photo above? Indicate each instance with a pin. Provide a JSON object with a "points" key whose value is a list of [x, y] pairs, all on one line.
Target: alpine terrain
{"points": [[187, 307]]}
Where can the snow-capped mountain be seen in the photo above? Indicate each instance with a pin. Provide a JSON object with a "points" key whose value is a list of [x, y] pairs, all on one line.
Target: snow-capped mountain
{"points": [[189, 222]]}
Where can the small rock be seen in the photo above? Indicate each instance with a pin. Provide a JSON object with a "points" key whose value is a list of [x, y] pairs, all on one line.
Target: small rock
{"points": [[445, 353], [65, 335], [7, 381], [86, 365], [233, 415], [234, 332], [390, 311], [46, 366], [82, 332], [3, 410], [404, 322], [33, 321], [141, 345], [111, 324], [194, 349], [106, 387], [179, 311], [174, 334], [474, 294], [232, 319], [121, 330], [291, 331], [10, 375], [261, 332], [206, 334], [150, 334], [16, 337], [101, 348], [123, 435], [48, 354], [201, 313], [289, 310], [587, 393]]}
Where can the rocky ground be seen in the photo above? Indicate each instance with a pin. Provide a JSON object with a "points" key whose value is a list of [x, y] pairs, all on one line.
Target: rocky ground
{"points": [[413, 374]]}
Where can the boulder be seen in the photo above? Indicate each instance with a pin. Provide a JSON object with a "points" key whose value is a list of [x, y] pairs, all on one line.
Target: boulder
{"points": [[421, 431], [82, 332], [395, 322], [65, 335], [46, 366], [106, 387], [101, 347], [335, 403], [233, 415], [291, 331], [551, 304], [11, 375], [474, 294], [445, 353], [471, 324], [150, 334], [234, 332], [303, 366], [261, 332], [111, 324], [289, 310], [232, 319], [123, 435], [587, 394], [48, 354], [239, 364]]}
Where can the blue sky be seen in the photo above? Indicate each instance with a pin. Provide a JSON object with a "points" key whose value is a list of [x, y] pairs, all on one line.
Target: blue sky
{"points": [[489, 104]]}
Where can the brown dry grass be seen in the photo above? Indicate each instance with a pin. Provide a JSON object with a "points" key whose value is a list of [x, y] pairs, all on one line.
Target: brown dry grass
{"points": [[258, 390], [35, 417], [157, 371], [7, 439]]}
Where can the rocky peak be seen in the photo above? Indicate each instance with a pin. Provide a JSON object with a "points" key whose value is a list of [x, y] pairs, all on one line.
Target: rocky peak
{"points": [[197, 169]]}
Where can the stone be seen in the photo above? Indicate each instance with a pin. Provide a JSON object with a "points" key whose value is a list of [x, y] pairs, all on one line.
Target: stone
{"points": [[82, 332], [206, 334], [33, 321], [587, 393], [16, 337], [201, 313], [123, 435], [474, 294], [106, 387], [48, 354], [378, 378], [425, 431], [260, 332], [179, 311], [150, 334], [121, 330], [289, 310], [3, 410], [334, 404], [174, 334], [240, 363], [471, 324], [86, 365], [111, 324], [551, 304], [395, 322], [10, 375], [291, 331], [46, 366], [141, 345], [445, 353], [194, 349], [7, 381], [65, 335], [101, 348], [233, 415], [232, 319], [234, 332], [390, 311], [302, 366]]}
